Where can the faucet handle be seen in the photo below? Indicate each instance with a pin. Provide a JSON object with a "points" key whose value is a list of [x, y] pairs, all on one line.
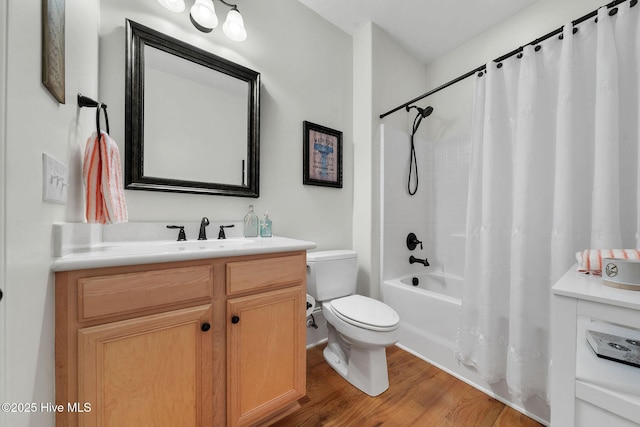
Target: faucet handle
{"points": [[221, 234], [412, 242], [181, 235]]}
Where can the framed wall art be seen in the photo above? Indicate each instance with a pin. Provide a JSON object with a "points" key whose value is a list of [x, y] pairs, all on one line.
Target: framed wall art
{"points": [[53, 47], [322, 156]]}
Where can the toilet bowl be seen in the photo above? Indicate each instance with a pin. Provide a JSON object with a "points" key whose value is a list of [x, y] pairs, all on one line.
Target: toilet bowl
{"points": [[359, 327]]}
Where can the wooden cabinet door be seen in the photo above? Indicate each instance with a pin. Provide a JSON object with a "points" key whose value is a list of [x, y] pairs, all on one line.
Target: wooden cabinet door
{"points": [[149, 371], [266, 354]]}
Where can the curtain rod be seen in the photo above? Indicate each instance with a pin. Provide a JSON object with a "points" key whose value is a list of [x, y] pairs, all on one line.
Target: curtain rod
{"points": [[557, 31]]}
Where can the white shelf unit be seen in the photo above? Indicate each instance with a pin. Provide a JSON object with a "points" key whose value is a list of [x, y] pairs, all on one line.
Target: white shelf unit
{"points": [[586, 390]]}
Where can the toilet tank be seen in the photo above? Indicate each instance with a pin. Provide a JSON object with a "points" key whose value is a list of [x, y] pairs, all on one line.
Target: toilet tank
{"points": [[331, 274]]}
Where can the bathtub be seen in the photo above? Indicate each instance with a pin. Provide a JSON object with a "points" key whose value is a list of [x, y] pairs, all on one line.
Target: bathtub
{"points": [[429, 314], [429, 317]]}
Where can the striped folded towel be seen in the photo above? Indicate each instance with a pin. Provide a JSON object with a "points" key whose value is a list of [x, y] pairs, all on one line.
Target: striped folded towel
{"points": [[590, 260], [102, 174]]}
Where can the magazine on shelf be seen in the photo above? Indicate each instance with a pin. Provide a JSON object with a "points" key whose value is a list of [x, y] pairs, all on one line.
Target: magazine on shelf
{"points": [[613, 347]]}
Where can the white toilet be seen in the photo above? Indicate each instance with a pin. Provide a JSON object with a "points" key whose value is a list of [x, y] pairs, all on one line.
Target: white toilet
{"points": [[359, 327]]}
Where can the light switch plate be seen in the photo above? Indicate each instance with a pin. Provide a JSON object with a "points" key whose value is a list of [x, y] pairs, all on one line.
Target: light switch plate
{"points": [[55, 180]]}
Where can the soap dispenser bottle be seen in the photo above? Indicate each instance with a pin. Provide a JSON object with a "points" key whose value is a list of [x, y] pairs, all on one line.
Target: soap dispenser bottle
{"points": [[251, 223], [265, 226]]}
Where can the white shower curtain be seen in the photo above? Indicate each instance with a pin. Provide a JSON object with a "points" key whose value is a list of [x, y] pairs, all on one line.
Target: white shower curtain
{"points": [[554, 170]]}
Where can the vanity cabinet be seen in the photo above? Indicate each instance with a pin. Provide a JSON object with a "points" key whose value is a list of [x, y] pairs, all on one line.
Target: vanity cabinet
{"points": [[265, 338], [587, 390], [122, 364], [208, 342]]}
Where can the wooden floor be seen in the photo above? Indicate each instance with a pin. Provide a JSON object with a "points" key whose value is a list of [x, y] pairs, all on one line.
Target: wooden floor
{"points": [[419, 395]]}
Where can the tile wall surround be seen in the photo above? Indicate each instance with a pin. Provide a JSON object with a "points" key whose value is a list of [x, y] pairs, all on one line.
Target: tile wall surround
{"points": [[436, 213]]}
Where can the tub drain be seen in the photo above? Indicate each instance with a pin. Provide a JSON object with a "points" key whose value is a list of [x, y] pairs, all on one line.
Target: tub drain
{"points": [[415, 281]]}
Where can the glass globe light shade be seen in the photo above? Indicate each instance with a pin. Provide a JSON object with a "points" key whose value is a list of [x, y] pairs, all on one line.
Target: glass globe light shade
{"points": [[173, 5], [203, 15], [233, 27]]}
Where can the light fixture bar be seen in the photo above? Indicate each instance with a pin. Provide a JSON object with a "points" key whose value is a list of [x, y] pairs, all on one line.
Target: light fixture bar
{"points": [[232, 6]]}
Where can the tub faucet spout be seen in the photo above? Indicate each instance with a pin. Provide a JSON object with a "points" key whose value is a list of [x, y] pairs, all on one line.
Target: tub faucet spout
{"points": [[413, 260]]}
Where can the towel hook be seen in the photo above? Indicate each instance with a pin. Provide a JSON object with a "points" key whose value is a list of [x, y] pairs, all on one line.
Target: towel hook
{"points": [[84, 101]]}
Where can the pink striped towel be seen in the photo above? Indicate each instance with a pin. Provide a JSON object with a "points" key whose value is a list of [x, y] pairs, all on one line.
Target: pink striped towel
{"points": [[590, 260], [102, 173]]}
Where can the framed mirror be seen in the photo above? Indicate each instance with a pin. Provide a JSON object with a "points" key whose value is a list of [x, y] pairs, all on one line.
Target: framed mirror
{"points": [[192, 118]]}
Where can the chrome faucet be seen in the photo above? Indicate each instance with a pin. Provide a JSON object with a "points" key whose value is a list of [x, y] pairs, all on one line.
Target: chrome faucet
{"points": [[203, 232], [413, 260]]}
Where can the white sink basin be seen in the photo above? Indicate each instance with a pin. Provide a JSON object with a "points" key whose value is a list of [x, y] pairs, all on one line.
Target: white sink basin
{"points": [[203, 245], [163, 246]]}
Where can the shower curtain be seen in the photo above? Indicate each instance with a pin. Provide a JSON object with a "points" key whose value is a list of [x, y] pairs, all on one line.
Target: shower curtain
{"points": [[554, 170]]}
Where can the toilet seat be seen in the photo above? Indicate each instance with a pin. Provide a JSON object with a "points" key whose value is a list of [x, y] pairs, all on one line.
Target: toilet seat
{"points": [[366, 313]]}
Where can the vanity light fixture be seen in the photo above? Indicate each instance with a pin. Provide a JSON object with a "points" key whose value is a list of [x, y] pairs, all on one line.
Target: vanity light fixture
{"points": [[173, 5], [233, 27], [203, 17]]}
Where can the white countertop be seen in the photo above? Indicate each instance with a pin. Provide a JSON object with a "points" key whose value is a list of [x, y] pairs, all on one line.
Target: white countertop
{"points": [[591, 288], [114, 254]]}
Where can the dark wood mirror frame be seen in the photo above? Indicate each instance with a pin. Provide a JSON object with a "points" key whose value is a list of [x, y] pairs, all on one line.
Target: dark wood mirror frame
{"points": [[139, 36]]}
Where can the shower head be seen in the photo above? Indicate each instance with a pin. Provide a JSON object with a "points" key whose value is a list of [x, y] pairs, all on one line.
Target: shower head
{"points": [[413, 161], [424, 112]]}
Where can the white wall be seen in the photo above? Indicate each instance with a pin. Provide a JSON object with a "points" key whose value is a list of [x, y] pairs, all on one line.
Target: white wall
{"points": [[306, 72], [36, 123], [306, 75], [363, 136], [3, 168], [385, 74]]}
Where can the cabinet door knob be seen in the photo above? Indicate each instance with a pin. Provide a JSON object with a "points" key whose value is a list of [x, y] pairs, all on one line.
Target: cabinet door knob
{"points": [[205, 327], [235, 319]]}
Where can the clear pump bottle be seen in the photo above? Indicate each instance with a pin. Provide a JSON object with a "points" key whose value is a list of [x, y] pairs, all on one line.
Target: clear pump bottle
{"points": [[265, 226], [251, 223]]}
